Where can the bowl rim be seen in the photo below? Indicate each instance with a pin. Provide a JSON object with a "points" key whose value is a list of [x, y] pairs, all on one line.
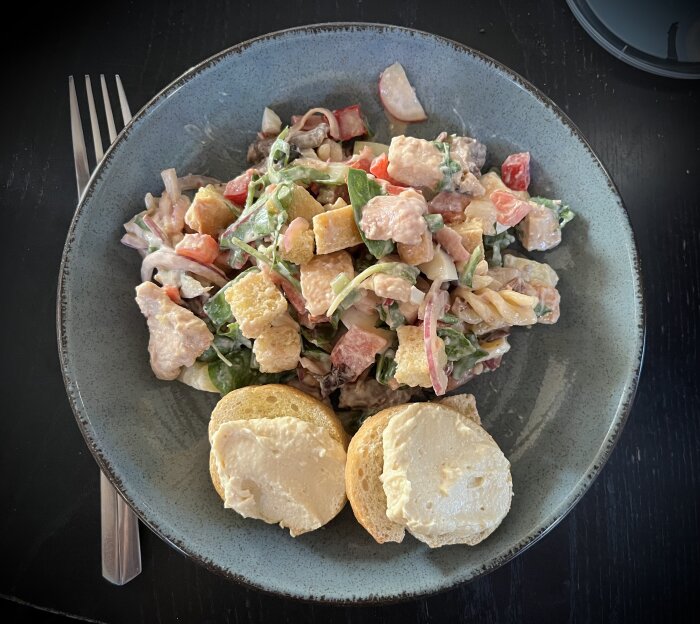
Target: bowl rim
{"points": [[82, 418]]}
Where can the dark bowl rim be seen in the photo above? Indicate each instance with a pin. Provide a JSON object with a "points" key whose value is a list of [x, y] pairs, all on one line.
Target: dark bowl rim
{"points": [[603, 453]]}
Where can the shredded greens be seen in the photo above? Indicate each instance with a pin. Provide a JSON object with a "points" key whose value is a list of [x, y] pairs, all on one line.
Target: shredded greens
{"points": [[563, 211]]}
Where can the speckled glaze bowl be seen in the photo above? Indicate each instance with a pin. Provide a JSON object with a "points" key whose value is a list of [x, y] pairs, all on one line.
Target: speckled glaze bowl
{"points": [[556, 406]]}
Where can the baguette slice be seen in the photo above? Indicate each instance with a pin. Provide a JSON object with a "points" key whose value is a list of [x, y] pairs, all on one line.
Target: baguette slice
{"points": [[366, 463], [270, 401]]}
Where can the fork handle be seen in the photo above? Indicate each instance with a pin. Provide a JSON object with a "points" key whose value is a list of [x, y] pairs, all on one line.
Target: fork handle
{"points": [[121, 546]]}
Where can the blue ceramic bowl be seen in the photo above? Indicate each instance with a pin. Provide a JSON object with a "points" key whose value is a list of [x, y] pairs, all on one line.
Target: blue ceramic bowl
{"points": [[556, 406]]}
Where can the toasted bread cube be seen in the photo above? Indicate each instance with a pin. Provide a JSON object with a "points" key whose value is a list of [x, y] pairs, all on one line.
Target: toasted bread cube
{"points": [[277, 349], [411, 360], [210, 212], [302, 204], [335, 230], [316, 278], [302, 249], [419, 253], [255, 303], [471, 234]]}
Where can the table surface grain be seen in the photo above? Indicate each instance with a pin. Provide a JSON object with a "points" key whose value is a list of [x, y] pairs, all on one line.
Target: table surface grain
{"points": [[629, 552]]}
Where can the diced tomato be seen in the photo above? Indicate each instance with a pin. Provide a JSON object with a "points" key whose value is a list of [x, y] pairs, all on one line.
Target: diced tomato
{"points": [[362, 163], [237, 189], [350, 122], [510, 210], [450, 205], [355, 352], [515, 171], [200, 247], [173, 292]]}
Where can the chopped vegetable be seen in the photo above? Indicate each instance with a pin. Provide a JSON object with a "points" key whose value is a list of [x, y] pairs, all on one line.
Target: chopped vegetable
{"points": [[515, 171], [466, 277], [398, 96], [563, 211]]}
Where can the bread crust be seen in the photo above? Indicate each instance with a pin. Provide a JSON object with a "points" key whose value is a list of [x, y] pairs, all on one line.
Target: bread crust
{"points": [[365, 465]]}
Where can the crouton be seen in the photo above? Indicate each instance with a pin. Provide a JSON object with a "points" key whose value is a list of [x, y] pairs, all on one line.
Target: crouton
{"points": [[302, 204], [302, 247], [277, 349], [210, 212], [335, 230], [417, 254], [411, 360], [255, 303]]}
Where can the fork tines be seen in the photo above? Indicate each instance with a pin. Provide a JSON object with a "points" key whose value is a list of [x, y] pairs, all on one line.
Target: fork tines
{"points": [[82, 169]]}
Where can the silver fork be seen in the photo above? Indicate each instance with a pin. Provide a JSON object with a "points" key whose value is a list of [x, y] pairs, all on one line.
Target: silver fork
{"points": [[121, 547]]}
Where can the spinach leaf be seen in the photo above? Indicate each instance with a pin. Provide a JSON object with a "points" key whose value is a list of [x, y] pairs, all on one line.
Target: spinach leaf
{"points": [[240, 373], [450, 319], [386, 367], [471, 355], [361, 189], [217, 308], [391, 315], [321, 336]]}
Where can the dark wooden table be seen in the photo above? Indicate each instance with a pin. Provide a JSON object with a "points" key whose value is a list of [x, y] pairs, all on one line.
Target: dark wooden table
{"points": [[629, 552]]}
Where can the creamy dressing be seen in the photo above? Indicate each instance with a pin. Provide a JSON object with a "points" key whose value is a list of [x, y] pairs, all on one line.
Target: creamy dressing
{"points": [[281, 470], [395, 217], [443, 475]]}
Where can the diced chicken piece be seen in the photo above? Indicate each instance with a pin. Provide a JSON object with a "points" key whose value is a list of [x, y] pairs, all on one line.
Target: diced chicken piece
{"points": [[411, 360], [417, 254], [298, 242], [451, 242], [210, 212], [540, 229], [395, 217], [335, 230], [450, 205], [355, 352], [316, 278], [278, 348], [255, 303], [389, 287], [302, 204], [415, 162], [177, 337]]}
